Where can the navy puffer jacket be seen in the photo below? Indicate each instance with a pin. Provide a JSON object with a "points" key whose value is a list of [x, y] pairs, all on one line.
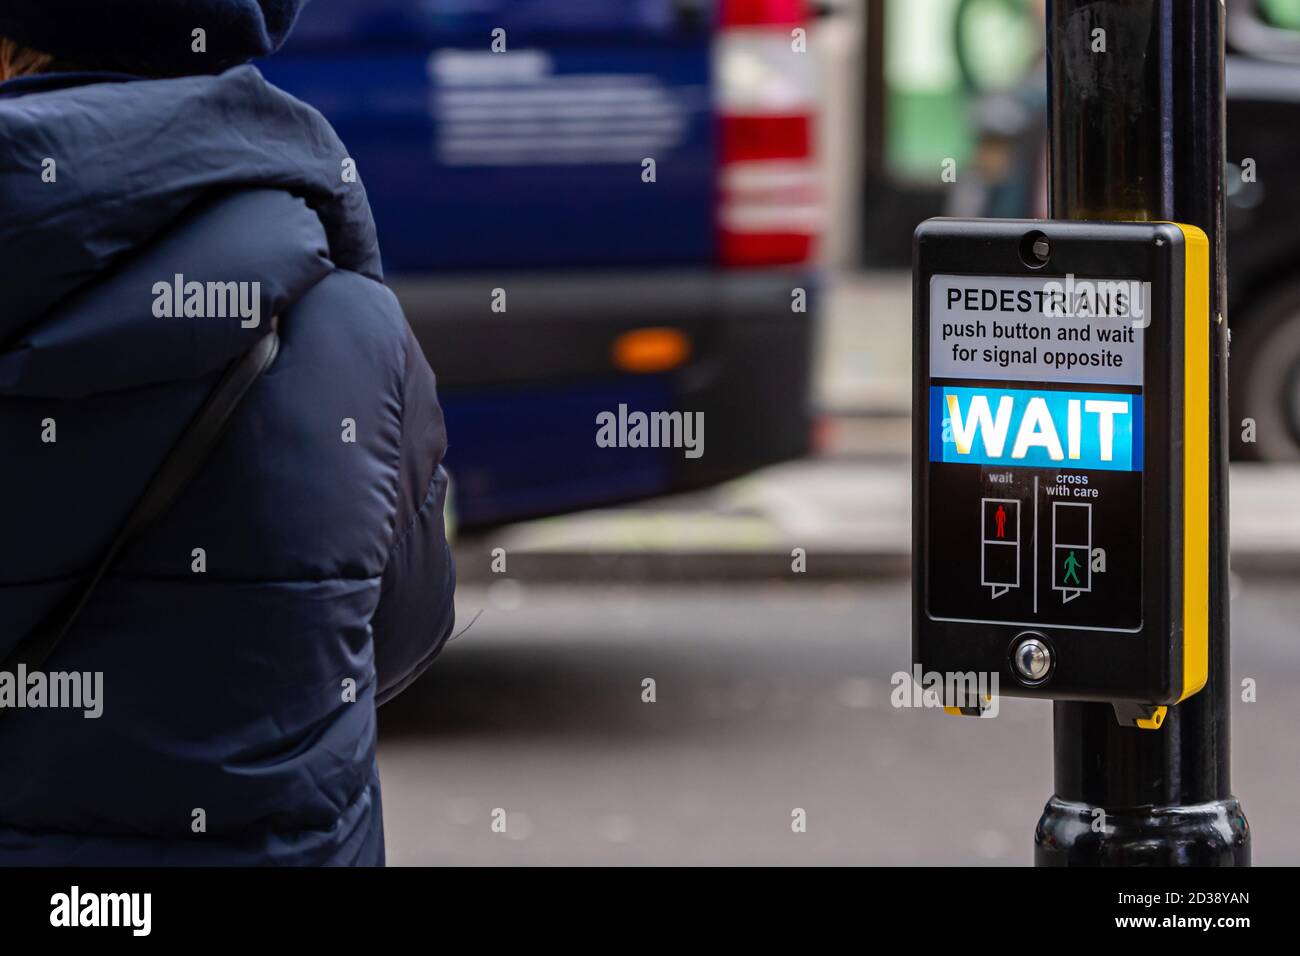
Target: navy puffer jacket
{"points": [[296, 565]]}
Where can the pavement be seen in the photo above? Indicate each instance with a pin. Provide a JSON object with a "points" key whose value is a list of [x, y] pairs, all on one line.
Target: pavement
{"points": [[847, 507], [851, 518]]}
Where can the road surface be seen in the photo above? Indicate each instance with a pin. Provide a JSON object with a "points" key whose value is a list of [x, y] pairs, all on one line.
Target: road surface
{"points": [[529, 742]]}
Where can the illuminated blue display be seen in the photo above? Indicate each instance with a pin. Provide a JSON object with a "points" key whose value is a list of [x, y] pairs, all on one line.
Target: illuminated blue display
{"points": [[1097, 431]]}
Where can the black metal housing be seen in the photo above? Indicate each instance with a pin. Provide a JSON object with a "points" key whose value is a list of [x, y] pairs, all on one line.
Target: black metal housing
{"points": [[1145, 665]]}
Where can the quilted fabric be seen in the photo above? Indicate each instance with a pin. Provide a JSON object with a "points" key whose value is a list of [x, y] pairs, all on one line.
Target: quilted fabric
{"points": [[307, 557]]}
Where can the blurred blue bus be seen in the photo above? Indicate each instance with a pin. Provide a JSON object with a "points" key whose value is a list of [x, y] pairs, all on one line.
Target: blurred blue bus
{"points": [[503, 145]]}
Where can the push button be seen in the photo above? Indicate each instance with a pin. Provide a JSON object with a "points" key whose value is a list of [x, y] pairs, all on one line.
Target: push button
{"points": [[1032, 658]]}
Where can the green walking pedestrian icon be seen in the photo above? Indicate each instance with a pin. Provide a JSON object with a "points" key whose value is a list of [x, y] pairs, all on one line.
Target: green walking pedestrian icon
{"points": [[1071, 549], [1072, 568]]}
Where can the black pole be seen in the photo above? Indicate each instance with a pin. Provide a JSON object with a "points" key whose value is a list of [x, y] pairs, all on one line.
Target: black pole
{"points": [[1137, 132]]}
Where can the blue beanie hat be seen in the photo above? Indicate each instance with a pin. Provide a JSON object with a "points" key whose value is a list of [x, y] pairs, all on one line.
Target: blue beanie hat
{"points": [[150, 37]]}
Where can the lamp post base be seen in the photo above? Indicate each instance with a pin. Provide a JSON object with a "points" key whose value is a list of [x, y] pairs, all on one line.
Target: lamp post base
{"points": [[1204, 834]]}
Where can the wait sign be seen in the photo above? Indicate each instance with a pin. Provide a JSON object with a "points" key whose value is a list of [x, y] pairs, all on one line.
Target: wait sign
{"points": [[1061, 457], [1045, 428]]}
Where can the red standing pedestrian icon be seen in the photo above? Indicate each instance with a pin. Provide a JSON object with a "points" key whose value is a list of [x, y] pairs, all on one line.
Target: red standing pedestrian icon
{"points": [[1000, 545]]}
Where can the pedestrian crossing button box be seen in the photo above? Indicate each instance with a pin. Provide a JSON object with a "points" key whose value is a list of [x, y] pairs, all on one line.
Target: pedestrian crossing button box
{"points": [[1061, 457]]}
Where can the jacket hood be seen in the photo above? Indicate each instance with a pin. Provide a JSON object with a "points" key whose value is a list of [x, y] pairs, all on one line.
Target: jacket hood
{"points": [[108, 189], [153, 37]]}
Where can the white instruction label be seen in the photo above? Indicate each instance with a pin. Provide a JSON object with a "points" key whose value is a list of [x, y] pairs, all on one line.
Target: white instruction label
{"points": [[1038, 329]]}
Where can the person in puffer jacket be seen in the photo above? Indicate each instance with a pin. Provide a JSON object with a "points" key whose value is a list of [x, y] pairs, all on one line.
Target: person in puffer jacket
{"points": [[303, 576]]}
